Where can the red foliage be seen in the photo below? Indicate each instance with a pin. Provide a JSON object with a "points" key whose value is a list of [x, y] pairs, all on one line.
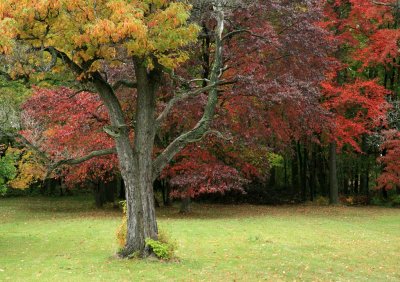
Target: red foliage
{"points": [[196, 172], [390, 177], [356, 108], [65, 125]]}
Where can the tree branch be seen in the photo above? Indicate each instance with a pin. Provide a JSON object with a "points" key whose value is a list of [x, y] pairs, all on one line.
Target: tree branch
{"points": [[204, 123], [53, 61], [181, 97], [238, 31], [22, 140], [67, 60], [384, 4], [126, 83], [79, 160]]}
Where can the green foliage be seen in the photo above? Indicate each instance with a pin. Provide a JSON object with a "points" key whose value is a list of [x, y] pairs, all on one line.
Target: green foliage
{"points": [[12, 95], [378, 201], [275, 160], [395, 200], [162, 250], [7, 171]]}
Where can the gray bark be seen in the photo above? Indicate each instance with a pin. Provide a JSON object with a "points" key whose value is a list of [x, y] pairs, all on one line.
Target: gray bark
{"points": [[128, 163]]}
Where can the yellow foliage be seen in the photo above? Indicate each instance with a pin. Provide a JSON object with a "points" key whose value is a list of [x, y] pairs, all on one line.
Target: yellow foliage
{"points": [[122, 228], [29, 169], [98, 29]]}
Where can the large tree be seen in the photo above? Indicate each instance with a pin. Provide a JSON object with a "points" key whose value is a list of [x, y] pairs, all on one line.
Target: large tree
{"points": [[89, 36]]}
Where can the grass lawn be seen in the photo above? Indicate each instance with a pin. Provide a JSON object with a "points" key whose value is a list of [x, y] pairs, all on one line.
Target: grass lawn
{"points": [[67, 239]]}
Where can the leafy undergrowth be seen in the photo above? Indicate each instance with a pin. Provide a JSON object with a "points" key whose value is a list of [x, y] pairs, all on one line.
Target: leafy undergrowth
{"points": [[69, 240]]}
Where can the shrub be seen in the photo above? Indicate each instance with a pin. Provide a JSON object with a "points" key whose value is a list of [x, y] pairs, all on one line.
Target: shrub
{"points": [[122, 228], [163, 248], [395, 200], [377, 201], [355, 200], [322, 201], [160, 249]]}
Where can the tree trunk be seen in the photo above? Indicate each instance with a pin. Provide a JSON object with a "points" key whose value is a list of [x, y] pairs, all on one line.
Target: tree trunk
{"points": [[99, 194], [364, 177], [272, 177], [313, 173], [333, 182], [346, 185], [356, 183], [321, 171], [135, 166], [385, 195], [141, 215], [295, 173], [185, 205], [305, 182], [120, 187], [165, 193], [285, 172]]}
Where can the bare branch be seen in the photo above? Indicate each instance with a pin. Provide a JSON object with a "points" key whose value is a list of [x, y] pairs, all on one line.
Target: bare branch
{"points": [[186, 95], [23, 141], [238, 31], [384, 4], [203, 124], [80, 160], [178, 98], [211, 132], [126, 83]]}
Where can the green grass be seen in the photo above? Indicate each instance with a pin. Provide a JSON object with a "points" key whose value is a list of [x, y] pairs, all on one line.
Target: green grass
{"points": [[67, 239]]}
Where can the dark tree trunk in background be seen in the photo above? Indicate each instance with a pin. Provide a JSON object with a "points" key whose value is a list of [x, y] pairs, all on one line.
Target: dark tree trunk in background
{"points": [[272, 177], [303, 160], [364, 177], [166, 190], [364, 181], [356, 182], [302, 172], [321, 171], [120, 187], [305, 182], [313, 174], [111, 191], [384, 193], [295, 173], [333, 181], [99, 194], [185, 205], [285, 172], [345, 184]]}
